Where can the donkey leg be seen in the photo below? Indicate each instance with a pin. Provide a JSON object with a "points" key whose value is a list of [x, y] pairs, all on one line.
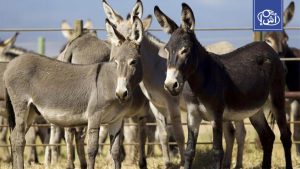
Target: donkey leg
{"points": [[150, 132], [79, 138], [57, 132], [194, 121], [69, 136], [92, 140], [229, 132], [142, 141], [296, 113], [102, 137], [175, 115], [163, 135], [18, 142], [47, 160], [17, 136], [116, 134], [240, 135], [30, 139], [266, 137], [278, 109], [3, 140], [217, 141], [44, 135], [131, 135]]}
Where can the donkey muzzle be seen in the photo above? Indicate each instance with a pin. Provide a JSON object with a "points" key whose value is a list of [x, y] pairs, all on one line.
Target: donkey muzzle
{"points": [[122, 92], [171, 84]]}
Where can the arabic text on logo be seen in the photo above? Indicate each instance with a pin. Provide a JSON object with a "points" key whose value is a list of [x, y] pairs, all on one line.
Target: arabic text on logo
{"points": [[268, 17]]}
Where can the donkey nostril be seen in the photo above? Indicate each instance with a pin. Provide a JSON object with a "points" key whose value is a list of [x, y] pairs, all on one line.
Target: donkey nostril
{"points": [[175, 85], [125, 94]]}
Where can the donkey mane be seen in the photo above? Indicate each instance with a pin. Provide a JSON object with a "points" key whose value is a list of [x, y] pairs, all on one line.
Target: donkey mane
{"points": [[154, 40], [14, 52]]}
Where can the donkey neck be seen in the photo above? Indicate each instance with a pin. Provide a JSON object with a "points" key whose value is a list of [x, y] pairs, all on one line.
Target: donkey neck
{"points": [[208, 78], [153, 64]]}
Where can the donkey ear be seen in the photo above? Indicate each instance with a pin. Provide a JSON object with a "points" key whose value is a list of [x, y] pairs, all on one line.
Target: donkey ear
{"points": [[187, 18], [288, 13], [8, 43], [88, 24], [115, 37], [147, 22], [67, 33], [168, 25], [137, 30], [137, 10], [112, 16]]}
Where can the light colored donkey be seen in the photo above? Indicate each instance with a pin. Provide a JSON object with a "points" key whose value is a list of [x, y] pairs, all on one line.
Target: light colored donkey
{"points": [[92, 54], [166, 108], [84, 94], [9, 51], [85, 49]]}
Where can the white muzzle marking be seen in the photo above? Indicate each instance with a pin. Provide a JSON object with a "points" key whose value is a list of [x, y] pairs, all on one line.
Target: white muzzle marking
{"points": [[121, 86], [172, 74]]}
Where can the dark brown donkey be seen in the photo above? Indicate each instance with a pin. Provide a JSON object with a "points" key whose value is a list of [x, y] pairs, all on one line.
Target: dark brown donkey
{"points": [[278, 41], [233, 86]]}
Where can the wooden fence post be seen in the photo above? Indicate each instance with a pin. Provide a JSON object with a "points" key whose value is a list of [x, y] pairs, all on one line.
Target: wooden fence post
{"points": [[257, 36], [78, 28], [41, 45]]}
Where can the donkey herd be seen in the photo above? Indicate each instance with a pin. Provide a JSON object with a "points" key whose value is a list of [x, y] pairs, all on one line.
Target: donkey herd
{"points": [[135, 77]]}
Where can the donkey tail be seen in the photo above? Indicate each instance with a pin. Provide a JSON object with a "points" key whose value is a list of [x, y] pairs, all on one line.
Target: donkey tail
{"points": [[10, 111]]}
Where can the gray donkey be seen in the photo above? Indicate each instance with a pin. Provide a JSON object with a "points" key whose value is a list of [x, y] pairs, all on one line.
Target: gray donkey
{"points": [[96, 50], [84, 49], [83, 95], [9, 51]]}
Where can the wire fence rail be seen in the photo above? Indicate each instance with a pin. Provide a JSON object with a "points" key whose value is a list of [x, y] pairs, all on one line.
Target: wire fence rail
{"points": [[151, 29], [134, 144], [147, 124]]}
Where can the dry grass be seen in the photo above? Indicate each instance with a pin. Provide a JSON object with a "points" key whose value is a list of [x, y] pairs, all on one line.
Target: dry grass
{"points": [[252, 155]]}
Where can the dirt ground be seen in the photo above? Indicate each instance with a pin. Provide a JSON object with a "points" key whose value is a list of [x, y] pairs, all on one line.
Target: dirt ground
{"points": [[252, 155]]}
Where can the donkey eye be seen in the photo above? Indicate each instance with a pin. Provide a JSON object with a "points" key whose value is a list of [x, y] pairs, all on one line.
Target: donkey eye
{"points": [[268, 41], [184, 51], [133, 62]]}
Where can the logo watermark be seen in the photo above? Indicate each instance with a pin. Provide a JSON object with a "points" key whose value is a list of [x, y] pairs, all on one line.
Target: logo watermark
{"points": [[267, 15]]}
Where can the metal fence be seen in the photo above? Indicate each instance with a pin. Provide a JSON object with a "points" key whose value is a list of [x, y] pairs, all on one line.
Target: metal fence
{"points": [[79, 27]]}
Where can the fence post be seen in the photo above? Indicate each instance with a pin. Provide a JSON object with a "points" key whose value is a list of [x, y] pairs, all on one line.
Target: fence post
{"points": [[41, 45], [257, 36], [78, 28]]}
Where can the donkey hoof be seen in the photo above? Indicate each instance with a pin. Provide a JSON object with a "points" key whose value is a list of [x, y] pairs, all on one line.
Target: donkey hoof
{"points": [[238, 167], [143, 164], [170, 166], [83, 166], [70, 166]]}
